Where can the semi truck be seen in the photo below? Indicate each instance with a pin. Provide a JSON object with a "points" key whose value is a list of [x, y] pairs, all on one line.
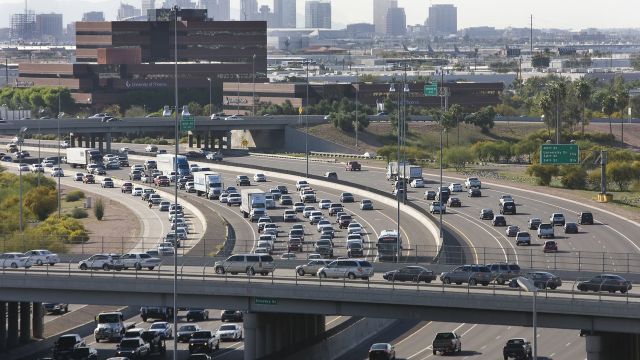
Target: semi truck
{"points": [[208, 183], [392, 169], [410, 172], [254, 203], [81, 157], [111, 326], [167, 164]]}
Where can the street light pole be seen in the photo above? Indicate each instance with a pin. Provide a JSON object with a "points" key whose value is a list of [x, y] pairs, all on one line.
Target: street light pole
{"points": [[176, 9], [238, 96], [357, 93], [20, 141], [392, 89], [529, 286], [210, 102], [306, 124], [253, 73], [59, 140]]}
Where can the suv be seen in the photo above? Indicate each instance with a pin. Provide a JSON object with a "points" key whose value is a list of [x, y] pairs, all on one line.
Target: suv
{"points": [[349, 268], [126, 187], [164, 313], [246, 263], [312, 267], [150, 165], [354, 250], [101, 261], [63, 347], [203, 341], [335, 208], [585, 218], [557, 219], [353, 166], [473, 274], [133, 348], [508, 207], [486, 214], [243, 180], [473, 182], [503, 273], [324, 248], [545, 231]]}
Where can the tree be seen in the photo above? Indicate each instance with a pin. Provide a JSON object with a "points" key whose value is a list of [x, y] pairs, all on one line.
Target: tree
{"points": [[458, 156], [195, 109], [573, 177], [343, 120], [42, 201], [544, 173], [98, 209], [621, 173], [583, 91], [483, 118], [540, 61], [622, 101], [608, 108]]}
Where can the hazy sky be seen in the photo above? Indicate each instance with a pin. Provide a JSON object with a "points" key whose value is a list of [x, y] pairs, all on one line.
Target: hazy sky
{"points": [[566, 14]]}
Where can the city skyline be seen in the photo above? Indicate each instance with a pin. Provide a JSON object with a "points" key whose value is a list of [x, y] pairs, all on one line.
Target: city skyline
{"points": [[546, 13]]}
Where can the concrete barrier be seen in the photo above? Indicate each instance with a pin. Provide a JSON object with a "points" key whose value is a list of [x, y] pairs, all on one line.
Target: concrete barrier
{"points": [[288, 157]]}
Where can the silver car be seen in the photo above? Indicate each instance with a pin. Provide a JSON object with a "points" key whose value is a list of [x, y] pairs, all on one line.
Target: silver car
{"points": [[246, 263], [15, 260], [349, 268], [312, 267], [472, 274]]}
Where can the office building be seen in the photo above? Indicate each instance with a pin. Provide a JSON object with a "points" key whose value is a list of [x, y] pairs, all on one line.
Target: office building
{"points": [[360, 31], [380, 9], [146, 5], [285, 13], [265, 14], [49, 27], [93, 16], [23, 27], [218, 10], [318, 14], [443, 19], [396, 22], [126, 11], [248, 10], [182, 4]]}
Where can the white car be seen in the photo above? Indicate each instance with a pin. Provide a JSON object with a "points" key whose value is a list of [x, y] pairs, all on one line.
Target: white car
{"points": [[48, 163], [473, 182], [233, 117], [64, 144], [139, 260], [234, 199], [455, 187], [270, 203], [24, 167], [106, 183], [300, 183], [322, 223], [37, 168], [137, 191], [166, 248], [355, 228], [41, 257], [232, 332], [436, 207], [324, 203], [163, 328], [417, 183], [101, 261], [259, 177], [307, 211], [57, 172], [78, 176], [15, 260], [290, 215]]}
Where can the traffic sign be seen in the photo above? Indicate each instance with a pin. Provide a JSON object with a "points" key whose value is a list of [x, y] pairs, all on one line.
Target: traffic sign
{"points": [[431, 90], [188, 123], [266, 301], [557, 154]]}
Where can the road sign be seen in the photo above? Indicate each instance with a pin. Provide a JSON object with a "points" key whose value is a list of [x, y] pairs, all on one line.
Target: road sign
{"points": [[431, 90], [188, 123], [557, 154], [266, 301]]}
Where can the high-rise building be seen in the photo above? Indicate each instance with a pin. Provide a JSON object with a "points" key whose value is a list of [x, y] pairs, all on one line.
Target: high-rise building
{"points": [[396, 22], [147, 5], [23, 26], [224, 10], [248, 9], [265, 14], [49, 27], [380, 8], [218, 10], [285, 13], [183, 4], [443, 19], [126, 11], [318, 14], [92, 16]]}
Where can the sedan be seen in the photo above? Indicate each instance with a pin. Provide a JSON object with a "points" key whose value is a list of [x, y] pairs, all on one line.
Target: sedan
{"points": [[417, 183], [534, 223], [366, 204], [541, 279], [164, 328], [259, 177], [486, 214], [41, 257], [15, 260], [286, 200], [429, 195], [137, 191], [605, 282], [243, 180], [499, 220], [455, 187], [382, 351], [523, 238], [474, 192], [234, 199], [570, 228], [454, 202], [324, 204], [550, 246], [231, 332], [512, 230], [194, 314], [185, 331], [346, 197], [410, 273], [24, 167], [57, 172]]}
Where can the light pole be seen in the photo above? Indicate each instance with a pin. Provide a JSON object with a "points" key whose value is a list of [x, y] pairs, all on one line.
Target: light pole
{"points": [[405, 93], [59, 140], [253, 74], [238, 95], [357, 93], [20, 141], [529, 286], [176, 9], [210, 102], [306, 124], [392, 90]]}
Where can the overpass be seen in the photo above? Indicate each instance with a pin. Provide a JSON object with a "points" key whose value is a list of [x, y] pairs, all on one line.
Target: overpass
{"points": [[284, 311]]}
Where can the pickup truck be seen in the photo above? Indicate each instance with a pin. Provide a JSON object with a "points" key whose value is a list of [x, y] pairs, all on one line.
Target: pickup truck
{"points": [[133, 348], [353, 166], [162, 180], [447, 342], [473, 182], [150, 312], [308, 196], [517, 348], [436, 207]]}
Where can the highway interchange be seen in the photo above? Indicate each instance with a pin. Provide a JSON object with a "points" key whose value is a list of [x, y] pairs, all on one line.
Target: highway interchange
{"points": [[612, 235]]}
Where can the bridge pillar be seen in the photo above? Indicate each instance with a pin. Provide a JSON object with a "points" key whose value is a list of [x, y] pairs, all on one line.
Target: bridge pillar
{"points": [[3, 326], [92, 141], [72, 140], [269, 338], [613, 346], [198, 142], [249, 324], [206, 140], [263, 319], [12, 325], [101, 144], [25, 322], [108, 142], [38, 320], [190, 139]]}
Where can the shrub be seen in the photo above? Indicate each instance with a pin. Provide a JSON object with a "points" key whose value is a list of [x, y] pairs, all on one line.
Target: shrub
{"points": [[41, 201], [78, 213], [74, 195], [98, 209], [78, 236], [543, 173], [573, 177]]}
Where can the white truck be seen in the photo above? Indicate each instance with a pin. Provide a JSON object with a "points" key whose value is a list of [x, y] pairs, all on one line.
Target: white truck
{"points": [[208, 183], [81, 157], [392, 169], [473, 182], [110, 326], [410, 172], [254, 204]]}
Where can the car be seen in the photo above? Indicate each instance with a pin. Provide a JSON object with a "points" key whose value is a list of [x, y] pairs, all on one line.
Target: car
{"points": [[585, 218], [517, 348], [412, 273], [230, 332], [190, 187], [64, 346], [417, 183], [101, 261], [133, 348], [243, 180], [249, 264], [347, 268], [197, 314], [346, 197], [125, 150], [164, 328], [472, 182], [106, 183], [545, 231], [166, 248], [523, 238], [234, 199], [312, 267], [233, 117], [331, 175], [353, 166], [454, 202], [570, 228], [185, 331], [135, 175], [557, 219], [259, 177], [290, 215], [324, 247], [88, 179], [366, 204], [499, 220], [231, 315], [98, 170], [472, 274], [25, 168], [163, 180], [550, 246], [64, 144], [151, 149], [512, 230], [41, 257], [286, 200], [382, 351], [139, 260], [541, 279], [429, 195], [55, 308], [534, 223], [436, 207], [203, 341], [324, 203], [335, 208], [505, 198], [486, 214], [606, 282], [37, 168], [307, 210], [113, 165], [455, 187], [503, 272], [474, 192], [262, 221], [288, 256], [15, 260], [6, 158], [137, 191], [507, 207], [126, 187], [399, 193]]}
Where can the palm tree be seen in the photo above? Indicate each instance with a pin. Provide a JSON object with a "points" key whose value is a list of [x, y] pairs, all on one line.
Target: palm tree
{"points": [[608, 108], [583, 90]]}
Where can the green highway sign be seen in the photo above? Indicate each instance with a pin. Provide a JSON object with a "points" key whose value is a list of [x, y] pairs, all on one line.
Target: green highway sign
{"points": [[431, 90], [188, 123], [556, 154], [266, 301]]}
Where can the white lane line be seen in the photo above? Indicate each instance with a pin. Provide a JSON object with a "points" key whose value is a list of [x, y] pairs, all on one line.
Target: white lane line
{"points": [[334, 320], [430, 347], [413, 333], [228, 350]]}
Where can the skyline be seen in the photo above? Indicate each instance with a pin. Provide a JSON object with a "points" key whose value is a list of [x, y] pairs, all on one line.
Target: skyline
{"points": [[546, 13]]}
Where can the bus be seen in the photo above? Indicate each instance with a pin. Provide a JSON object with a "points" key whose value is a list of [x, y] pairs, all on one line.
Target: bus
{"points": [[388, 243], [166, 164]]}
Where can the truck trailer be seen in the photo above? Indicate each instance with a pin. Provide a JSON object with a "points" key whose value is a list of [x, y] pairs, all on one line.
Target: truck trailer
{"points": [[208, 183], [81, 157]]}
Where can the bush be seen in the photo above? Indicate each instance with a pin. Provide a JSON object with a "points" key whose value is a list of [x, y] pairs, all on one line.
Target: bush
{"points": [[573, 177], [163, 142], [98, 209], [74, 195], [543, 173], [457, 156], [78, 213], [78, 236], [41, 201]]}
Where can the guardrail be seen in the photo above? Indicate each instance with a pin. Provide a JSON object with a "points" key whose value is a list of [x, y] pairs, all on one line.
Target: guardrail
{"points": [[288, 157]]}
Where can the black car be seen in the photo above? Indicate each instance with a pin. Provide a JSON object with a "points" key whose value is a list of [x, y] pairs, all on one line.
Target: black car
{"points": [[346, 197], [585, 218], [474, 192], [486, 214], [283, 189], [499, 220], [182, 183], [454, 202], [429, 195], [605, 282], [355, 250], [84, 353], [231, 315], [194, 154], [185, 331], [56, 308], [164, 313], [197, 315], [541, 279], [155, 341], [99, 171], [203, 341], [410, 273], [570, 228], [22, 154], [508, 207]]}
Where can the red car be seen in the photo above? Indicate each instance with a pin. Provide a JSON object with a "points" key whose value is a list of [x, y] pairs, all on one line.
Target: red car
{"points": [[126, 187], [162, 181], [550, 246]]}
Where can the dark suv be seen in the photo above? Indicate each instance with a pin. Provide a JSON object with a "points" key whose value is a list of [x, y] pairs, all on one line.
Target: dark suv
{"points": [[472, 274], [508, 207], [585, 218], [503, 272], [149, 312]]}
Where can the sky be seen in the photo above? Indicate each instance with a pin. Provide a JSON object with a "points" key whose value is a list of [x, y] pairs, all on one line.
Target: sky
{"points": [[562, 14]]}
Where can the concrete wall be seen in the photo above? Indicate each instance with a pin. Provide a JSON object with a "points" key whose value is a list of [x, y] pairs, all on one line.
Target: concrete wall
{"points": [[294, 141], [257, 139]]}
